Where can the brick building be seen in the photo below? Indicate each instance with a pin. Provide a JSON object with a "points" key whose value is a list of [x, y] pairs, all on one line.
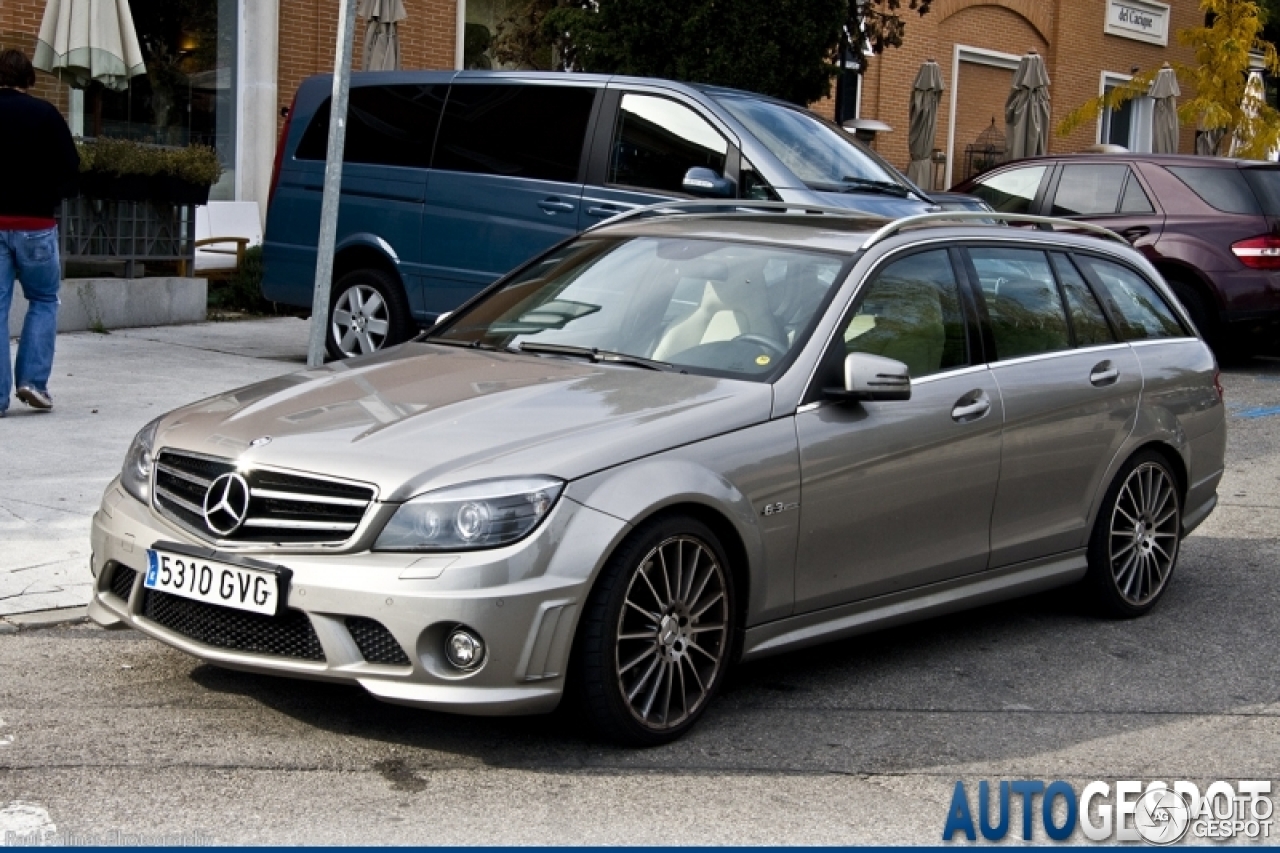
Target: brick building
{"points": [[241, 60]]}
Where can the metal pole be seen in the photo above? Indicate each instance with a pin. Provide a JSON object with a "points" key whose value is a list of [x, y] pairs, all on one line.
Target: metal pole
{"points": [[332, 183]]}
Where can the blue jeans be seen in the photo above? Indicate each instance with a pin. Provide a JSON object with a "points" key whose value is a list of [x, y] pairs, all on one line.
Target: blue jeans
{"points": [[32, 258]]}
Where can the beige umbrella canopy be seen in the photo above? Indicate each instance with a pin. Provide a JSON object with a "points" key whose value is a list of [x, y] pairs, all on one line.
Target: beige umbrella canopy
{"points": [[1164, 123], [924, 123], [381, 33], [1026, 112], [82, 41]]}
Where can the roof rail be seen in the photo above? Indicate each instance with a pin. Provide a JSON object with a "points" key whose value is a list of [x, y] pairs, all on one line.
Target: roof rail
{"points": [[671, 208], [983, 216]]}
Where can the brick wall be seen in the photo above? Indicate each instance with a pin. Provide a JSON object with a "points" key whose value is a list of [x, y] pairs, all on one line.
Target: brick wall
{"points": [[19, 25], [309, 30], [1068, 33]]}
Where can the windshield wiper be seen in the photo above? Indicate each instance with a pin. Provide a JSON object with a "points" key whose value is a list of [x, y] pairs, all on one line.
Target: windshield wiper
{"points": [[594, 355], [450, 342], [853, 185]]}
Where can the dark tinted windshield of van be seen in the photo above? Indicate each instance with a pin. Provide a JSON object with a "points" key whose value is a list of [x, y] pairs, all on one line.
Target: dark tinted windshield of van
{"points": [[820, 154]]}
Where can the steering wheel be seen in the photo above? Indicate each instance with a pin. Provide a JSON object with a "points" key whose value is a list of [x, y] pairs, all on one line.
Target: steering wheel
{"points": [[766, 342]]}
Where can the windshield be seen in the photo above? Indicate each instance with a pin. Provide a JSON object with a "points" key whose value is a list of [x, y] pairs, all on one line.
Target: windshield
{"points": [[701, 306], [820, 154]]}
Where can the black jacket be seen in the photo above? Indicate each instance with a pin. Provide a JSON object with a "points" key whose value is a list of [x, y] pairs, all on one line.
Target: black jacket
{"points": [[39, 165]]}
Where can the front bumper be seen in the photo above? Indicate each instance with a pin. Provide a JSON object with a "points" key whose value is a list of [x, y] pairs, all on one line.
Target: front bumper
{"points": [[523, 601]]}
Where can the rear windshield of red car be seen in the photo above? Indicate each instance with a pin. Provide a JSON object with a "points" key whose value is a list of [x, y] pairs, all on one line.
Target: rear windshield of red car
{"points": [[1266, 186]]}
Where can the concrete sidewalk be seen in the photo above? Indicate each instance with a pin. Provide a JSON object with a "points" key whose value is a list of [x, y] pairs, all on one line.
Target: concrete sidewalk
{"points": [[54, 466]]}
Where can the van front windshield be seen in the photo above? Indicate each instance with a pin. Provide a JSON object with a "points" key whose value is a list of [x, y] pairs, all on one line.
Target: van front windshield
{"points": [[711, 307], [819, 154]]}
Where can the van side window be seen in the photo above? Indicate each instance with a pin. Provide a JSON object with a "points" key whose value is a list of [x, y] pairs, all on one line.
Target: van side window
{"points": [[657, 140], [1137, 308], [911, 313], [386, 126], [509, 131]]}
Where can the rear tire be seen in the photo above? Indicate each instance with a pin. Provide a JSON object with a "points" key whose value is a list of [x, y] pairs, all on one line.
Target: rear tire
{"points": [[1136, 538], [656, 636], [368, 312], [1207, 322]]}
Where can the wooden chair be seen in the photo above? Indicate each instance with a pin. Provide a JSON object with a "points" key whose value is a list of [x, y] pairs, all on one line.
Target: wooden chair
{"points": [[224, 231]]}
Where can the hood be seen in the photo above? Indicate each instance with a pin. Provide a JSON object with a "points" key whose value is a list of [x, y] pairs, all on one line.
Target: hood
{"points": [[890, 207], [423, 416]]}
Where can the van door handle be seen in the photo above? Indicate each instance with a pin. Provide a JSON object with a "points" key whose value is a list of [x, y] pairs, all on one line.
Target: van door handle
{"points": [[603, 210], [1132, 234], [971, 407], [1104, 373], [554, 205]]}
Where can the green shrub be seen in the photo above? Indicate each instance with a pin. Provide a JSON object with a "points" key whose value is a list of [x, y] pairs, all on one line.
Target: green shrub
{"points": [[243, 292], [195, 164]]}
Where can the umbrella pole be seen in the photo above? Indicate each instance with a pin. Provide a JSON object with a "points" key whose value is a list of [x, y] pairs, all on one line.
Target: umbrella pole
{"points": [[332, 183]]}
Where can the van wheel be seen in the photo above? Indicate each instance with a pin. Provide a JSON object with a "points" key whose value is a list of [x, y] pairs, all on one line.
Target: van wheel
{"points": [[368, 312], [655, 639], [1135, 540]]}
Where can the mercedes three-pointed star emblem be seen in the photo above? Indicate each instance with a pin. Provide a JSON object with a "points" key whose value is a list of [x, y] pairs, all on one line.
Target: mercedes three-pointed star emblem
{"points": [[226, 504]]}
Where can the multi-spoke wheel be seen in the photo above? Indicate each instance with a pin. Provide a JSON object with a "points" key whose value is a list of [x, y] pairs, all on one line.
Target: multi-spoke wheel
{"points": [[1136, 536], [369, 312], [657, 633]]}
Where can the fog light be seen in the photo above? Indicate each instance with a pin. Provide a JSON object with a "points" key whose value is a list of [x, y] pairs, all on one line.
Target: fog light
{"points": [[464, 649]]}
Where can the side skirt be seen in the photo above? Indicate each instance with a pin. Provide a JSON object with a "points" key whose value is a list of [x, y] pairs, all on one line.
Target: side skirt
{"points": [[912, 605]]}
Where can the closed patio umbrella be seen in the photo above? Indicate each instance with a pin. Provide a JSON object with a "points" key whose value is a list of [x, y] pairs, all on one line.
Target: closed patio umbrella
{"points": [[82, 41], [1164, 122], [381, 33], [1026, 112], [924, 123]]}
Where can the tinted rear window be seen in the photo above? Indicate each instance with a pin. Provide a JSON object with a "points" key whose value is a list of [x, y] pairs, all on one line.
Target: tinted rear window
{"points": [[386, 126], [515, 131], [1266, 186], [1224, 189]]}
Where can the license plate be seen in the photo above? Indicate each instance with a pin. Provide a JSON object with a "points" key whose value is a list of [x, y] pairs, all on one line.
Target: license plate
{"points": [[214, 582]]}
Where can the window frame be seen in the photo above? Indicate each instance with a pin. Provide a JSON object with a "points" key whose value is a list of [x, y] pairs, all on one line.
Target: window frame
{"points": [[1103, 296], [979, 298], [1051, 194]]}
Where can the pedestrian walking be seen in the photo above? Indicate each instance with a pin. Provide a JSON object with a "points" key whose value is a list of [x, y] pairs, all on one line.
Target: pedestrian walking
{"points": [[38, 168]]}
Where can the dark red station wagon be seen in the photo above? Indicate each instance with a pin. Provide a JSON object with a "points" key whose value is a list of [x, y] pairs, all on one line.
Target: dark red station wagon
{"points": [[1210, 225]]}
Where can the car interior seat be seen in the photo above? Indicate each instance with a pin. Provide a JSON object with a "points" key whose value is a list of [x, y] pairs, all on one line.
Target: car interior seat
{"points": [[1027, 317], [909, 325], [737, 304]]}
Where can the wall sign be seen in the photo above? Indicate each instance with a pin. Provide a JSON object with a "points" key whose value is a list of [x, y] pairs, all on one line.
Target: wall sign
{"points": [[1142, 20]]}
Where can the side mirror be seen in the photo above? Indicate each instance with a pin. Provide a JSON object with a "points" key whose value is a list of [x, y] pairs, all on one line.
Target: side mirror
{"points": [[873, 377], [705, 182]]}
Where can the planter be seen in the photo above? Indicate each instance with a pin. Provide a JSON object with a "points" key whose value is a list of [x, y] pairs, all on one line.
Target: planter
{"points": [[177, 191], [160, 189]]}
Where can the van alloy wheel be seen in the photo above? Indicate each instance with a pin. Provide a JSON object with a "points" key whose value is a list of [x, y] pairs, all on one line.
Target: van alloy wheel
{"points": [[369, 313]]}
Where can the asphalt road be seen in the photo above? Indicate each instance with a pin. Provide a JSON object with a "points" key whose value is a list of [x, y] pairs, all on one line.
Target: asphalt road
{"points": [[108, 735]]}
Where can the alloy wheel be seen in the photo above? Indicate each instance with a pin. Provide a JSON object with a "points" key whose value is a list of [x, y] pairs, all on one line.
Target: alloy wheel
{"points": [[1144, 534], [672, 637], [361, 321]]}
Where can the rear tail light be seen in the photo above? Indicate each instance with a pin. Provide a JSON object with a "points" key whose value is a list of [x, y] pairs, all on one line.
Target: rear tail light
{"points": [[1217, 385], [279, 160], [1259, 253]]}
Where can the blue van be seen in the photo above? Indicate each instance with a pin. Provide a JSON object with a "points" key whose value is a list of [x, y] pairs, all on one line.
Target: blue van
{"points": [[451, 179]]}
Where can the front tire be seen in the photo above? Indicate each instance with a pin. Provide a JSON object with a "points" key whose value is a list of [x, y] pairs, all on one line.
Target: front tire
{"points": [[657, 633], [1136, 537], [368, 312]]}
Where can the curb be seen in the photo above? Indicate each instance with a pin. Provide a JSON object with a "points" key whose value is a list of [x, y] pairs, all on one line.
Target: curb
{"points": [[15, 622]]}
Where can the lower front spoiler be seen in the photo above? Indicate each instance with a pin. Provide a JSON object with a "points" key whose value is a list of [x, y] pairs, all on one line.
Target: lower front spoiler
{"points": [[540, 698]]}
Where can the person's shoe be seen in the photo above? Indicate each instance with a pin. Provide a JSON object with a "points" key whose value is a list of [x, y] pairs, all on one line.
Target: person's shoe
{"points": [[35, 398]]}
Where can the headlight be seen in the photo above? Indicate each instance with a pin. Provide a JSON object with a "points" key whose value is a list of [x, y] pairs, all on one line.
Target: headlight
{"points": [[136, 475], [478, 515]]}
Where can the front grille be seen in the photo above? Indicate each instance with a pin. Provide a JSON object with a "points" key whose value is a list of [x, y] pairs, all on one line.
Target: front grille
{"points": [[287, 636], [120, 584], [375, 642], [287, 509]]}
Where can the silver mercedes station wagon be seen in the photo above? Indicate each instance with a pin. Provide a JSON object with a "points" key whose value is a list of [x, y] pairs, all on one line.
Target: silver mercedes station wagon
{"points": [[694, 435]]}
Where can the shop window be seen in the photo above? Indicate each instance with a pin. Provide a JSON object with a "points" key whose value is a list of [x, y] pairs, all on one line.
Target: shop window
{"points": [[188, 94]]}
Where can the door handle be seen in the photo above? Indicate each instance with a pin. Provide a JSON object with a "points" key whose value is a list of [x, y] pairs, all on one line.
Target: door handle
{"points": [[1103, 373], [554, 205], [971, 407], [1137, 231], [603, 210]]}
